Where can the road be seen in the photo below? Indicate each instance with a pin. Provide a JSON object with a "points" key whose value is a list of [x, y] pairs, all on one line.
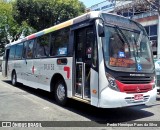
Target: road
{"points": [[22, 103]]}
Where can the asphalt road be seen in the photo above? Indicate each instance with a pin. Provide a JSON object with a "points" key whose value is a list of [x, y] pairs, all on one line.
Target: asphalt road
{"points": [[22, 103]]}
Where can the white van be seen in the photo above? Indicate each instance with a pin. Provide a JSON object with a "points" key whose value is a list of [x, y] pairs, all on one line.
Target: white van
{"points": [[157, 70]]}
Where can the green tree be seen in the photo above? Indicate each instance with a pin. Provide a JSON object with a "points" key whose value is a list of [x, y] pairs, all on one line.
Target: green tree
{"points": [[42, 14], [4, 18], [10, 30]]}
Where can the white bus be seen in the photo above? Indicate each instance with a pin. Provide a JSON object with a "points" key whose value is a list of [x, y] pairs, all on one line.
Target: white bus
{"points": [[101, 59]]}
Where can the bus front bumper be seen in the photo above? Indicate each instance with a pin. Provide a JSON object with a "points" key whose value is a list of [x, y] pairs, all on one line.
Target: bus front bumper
{"points": [[113, 99]]}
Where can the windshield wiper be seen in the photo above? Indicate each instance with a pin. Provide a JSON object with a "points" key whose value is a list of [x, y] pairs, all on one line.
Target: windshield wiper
{"points": [[139, 38], [137, 43], [123, 37], [141, 33], [135, 46]]}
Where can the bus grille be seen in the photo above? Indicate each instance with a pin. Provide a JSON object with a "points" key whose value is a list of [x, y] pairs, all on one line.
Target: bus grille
{"points": [[135, 79]]}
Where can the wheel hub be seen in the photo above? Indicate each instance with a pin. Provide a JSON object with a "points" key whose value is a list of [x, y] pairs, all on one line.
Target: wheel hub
{"points": [[61, 92]]}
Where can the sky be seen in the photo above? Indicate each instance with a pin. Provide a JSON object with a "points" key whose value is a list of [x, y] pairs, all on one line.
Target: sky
{"points": [[89, 3]]}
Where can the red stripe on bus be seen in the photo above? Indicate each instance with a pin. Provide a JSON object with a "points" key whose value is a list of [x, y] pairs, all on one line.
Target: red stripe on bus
{"points": [[67, 69], [33, 69], [134, 88], [31, 37]]}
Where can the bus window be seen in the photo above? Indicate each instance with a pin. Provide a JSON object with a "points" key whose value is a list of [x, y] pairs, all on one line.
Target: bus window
{"points": [[19, 49], [43, 46], [12, 52], [89, 43], [59, 42], [79, 51], [95, 54], [30, 49]]}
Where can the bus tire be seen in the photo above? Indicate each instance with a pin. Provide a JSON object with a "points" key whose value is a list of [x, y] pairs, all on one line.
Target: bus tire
{"points": [[14, 78], [60, 93]]}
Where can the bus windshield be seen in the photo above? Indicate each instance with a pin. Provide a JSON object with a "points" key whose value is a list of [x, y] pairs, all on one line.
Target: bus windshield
{"points": [[127, 49]]}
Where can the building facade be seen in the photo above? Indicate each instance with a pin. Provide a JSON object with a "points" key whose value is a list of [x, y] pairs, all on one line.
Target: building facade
{"points": [[140, 11]]}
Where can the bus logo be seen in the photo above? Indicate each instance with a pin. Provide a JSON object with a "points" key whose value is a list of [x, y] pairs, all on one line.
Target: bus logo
{"points": [[137, 74], [138, 90]]}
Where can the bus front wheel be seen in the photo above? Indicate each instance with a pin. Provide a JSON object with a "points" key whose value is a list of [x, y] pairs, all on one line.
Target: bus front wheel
{"points": [[14, 78], [60, 93]]}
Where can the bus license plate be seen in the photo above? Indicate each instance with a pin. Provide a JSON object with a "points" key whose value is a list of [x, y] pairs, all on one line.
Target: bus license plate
{"points": [[138, 97]]}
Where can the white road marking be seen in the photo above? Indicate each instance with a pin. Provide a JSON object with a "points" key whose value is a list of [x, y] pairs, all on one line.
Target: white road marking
{"points": [[46, 108]]}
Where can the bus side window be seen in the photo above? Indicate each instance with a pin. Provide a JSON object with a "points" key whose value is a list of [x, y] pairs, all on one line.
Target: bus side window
{"points": [[30, 49], [95, 54], [79, 51], [43, 46], [12, 52], [89, 43], [19, 49], [59, 42]]}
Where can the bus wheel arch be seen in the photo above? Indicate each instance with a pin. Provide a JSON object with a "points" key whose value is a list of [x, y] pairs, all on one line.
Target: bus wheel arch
{"points": [[59, 89], [14, 78]]}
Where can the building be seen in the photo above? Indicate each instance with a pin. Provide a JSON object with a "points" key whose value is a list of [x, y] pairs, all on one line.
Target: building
{"points": [[140, 11]]}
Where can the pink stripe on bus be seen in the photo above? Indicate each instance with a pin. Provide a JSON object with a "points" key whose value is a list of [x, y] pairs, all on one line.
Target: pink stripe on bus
{"points": [[31, 36]]}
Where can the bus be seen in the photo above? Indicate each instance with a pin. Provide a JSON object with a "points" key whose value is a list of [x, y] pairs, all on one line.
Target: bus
{"points": [[98, 58]]}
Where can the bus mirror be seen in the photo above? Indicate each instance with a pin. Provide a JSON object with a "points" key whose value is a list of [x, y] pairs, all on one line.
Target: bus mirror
{"points": [[100, 30]]}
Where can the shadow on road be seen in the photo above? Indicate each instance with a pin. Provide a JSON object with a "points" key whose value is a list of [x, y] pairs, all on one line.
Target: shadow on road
{"points": [[98, 115], [111, 115]]}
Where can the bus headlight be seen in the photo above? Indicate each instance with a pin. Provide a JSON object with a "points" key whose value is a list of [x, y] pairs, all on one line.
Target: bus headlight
{"points": [[112, 82]]}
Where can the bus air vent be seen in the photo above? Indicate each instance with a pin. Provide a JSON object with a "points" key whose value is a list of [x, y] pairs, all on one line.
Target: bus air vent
{"points": [[135, 79]]}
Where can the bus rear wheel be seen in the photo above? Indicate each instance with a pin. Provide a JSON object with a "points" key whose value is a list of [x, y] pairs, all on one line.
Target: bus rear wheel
{"points": [[14, 78], [60, 93]]}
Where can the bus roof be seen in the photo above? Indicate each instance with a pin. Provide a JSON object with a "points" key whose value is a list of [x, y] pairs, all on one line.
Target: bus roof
{"points": [[70, 22]]}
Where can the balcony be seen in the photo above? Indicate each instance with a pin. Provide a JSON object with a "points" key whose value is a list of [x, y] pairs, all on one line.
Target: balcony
{"points": [[144, 15]]}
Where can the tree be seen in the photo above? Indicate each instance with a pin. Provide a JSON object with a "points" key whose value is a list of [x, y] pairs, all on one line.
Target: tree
{"points": [[42, 14], [4, 18], [10, 30]]}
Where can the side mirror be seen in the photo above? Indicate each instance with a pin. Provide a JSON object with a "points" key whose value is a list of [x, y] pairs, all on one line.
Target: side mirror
{"points": [[100, 30]]}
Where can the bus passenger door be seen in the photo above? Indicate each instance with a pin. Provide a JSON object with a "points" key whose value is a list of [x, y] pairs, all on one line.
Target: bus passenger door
{"points": [[83, 56], [28, 71]]}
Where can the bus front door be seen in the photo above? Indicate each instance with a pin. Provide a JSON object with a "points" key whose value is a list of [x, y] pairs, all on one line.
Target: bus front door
{"points": [[83, 53], [5, 63]]}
